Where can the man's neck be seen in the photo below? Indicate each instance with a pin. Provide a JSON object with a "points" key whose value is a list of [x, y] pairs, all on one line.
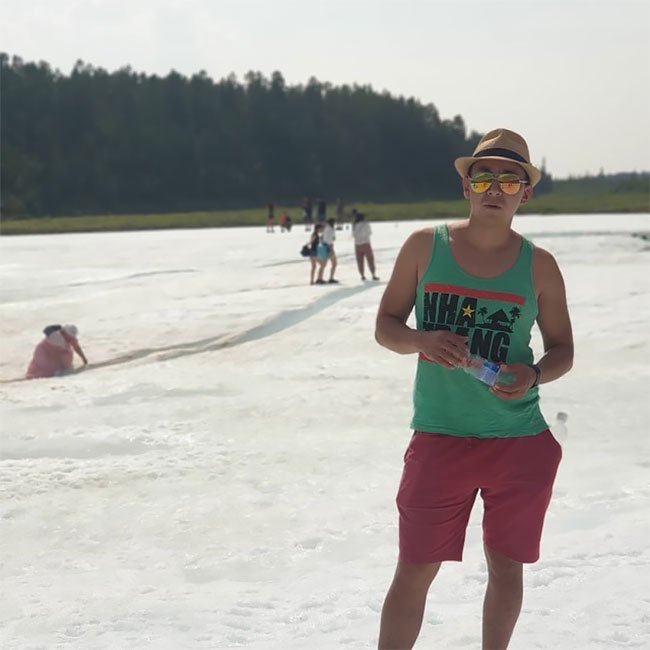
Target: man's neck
{"points": [[487, 234]]}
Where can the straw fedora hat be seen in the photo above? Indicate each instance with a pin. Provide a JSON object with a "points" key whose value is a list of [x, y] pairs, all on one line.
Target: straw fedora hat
{"points": [[501, 144]]}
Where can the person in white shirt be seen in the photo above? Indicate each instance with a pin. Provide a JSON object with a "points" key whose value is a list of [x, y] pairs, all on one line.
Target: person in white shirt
{"points": [[329, 235], [361, 232]]}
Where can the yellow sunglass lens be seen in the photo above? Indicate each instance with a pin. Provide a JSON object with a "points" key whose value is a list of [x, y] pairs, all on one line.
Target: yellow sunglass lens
{"points": [[481, 186]]}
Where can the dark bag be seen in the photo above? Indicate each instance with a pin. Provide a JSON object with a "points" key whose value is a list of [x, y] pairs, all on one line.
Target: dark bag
{"points": [[305, 251]]}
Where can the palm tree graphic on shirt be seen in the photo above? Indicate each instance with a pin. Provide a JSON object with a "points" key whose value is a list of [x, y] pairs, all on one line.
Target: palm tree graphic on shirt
{"points": [[515, 312], [498, 320]]}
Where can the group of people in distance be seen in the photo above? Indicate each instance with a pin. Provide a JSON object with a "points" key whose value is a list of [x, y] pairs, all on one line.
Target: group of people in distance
{"points": [[321, 212], [307, 215], [285, 220], [320, 249]]}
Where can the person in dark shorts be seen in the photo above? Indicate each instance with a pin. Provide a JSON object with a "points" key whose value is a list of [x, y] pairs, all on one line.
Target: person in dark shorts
{"points": [[307, 213], [477, 287], [340, 214], [270, 217], [321, 211]]}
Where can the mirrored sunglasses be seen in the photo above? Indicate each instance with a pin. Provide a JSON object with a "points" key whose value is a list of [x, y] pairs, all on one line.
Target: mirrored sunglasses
{"points": [[509, 183]]}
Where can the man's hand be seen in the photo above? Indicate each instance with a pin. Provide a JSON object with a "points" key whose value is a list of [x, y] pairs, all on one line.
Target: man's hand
{"points": [[444, 347], [522, 379]]}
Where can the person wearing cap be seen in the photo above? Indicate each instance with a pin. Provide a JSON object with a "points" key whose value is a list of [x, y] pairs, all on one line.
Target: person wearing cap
{"points": [[53, 356], [477, 287]]}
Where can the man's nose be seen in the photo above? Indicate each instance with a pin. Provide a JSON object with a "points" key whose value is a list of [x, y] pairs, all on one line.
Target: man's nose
{"points": [[495, 188]]}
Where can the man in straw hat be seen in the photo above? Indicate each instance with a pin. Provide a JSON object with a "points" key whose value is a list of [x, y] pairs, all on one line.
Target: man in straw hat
{"points": [[477, 287]]}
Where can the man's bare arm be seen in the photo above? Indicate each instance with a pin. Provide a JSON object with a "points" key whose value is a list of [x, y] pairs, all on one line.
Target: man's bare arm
{"points": [[397, 303], [391, 329], [553, 318]]}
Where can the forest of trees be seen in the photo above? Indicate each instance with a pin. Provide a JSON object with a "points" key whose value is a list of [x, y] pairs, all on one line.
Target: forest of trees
{"points": [[94, 142], [99, 142]]}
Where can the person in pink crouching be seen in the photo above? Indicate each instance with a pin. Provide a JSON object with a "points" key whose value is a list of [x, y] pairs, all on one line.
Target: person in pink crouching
{"points": [[53, 356]]}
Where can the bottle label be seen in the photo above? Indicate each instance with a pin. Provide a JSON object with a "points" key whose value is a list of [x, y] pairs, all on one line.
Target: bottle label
{"points": [[487, 373]]}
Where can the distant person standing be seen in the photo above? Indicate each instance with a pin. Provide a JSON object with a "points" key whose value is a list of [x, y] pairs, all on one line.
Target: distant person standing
{"points": [[329, 235], [340, 213], [321, 211], [307, 213], [270, 219], [53, 356], [361, 232], [316, 262]]}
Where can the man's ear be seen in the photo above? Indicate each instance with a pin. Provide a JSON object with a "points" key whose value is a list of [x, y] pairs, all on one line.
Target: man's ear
{"points": [[466, 188], [527, 195]]}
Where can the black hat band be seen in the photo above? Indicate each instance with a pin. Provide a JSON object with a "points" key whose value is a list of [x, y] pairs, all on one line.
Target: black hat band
{"points": [[503, 153]]}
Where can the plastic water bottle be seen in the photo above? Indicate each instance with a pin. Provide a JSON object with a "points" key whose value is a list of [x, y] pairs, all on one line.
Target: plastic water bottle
{"points": [[486, 371], [559, 427]]}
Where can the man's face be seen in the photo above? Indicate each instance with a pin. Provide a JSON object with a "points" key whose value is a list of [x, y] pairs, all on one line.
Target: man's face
{"points": [[495, 200]]}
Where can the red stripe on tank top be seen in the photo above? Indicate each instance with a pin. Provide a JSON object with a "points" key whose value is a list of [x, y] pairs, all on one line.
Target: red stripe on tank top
{"points": [[475, 293]]}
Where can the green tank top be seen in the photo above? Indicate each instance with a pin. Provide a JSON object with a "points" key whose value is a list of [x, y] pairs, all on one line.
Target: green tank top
{"points": [[497, 314]]}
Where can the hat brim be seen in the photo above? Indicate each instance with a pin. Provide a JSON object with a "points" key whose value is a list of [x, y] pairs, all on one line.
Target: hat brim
{"points": [[464, 163]]}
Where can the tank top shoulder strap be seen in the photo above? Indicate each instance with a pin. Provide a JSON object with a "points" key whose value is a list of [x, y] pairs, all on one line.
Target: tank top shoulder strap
{"points": [[441, 233], [439, 251], [441, 244], [524, 264]]}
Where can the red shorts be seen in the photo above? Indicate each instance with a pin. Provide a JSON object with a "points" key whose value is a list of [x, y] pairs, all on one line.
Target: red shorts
{"points": [[442, 475]]}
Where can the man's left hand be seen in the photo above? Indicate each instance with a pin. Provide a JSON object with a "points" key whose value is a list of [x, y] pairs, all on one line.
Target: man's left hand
{"points": [[522, 379]]}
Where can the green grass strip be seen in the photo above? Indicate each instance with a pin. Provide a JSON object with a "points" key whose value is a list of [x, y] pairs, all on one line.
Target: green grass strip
{"points": [[637, 202]]}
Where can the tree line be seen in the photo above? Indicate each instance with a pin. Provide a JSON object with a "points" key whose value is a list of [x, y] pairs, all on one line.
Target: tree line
{"points": [[99, 142], [94, 142]]}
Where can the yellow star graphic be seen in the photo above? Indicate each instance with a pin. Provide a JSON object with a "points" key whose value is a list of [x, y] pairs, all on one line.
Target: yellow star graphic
{"points": [[468, 311]]}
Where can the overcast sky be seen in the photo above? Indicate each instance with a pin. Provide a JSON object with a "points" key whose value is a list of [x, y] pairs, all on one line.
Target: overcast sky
{"points": [[572, 76]]}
